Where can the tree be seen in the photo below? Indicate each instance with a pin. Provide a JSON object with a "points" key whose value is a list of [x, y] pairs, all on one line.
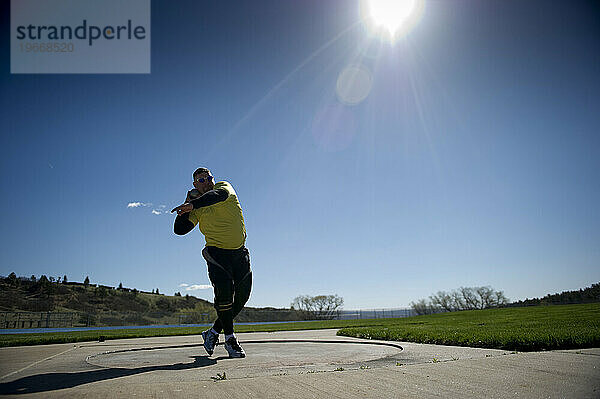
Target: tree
{"points": [[422, 307], [120, 285], [12, 279], [485, 297], [157, 291], [65, 279], [442, 300], [86, 282], [465, 298], [320, 307], [500, 299], [178, 294], [471, 299], [32, 278], [586, 295], [44, 285]]}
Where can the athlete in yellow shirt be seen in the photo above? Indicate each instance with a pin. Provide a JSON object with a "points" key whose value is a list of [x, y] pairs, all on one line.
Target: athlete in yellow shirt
{"points": [[217, 212]]}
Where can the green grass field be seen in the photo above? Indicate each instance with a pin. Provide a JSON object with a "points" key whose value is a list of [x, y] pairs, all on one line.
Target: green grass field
{"points": [[523, 329]]}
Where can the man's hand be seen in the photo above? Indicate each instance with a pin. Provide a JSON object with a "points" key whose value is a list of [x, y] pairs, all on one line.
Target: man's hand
{"points": [[192, 195], [183, 208]]}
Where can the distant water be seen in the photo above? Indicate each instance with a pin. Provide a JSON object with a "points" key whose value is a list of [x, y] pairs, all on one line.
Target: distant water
{"points": [[70, 329]]}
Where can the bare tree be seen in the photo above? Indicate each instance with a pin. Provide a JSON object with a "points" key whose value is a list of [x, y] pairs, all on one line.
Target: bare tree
{"points": [[465, 298], [320, 307], [500, 299], [443, 300], [469, 295], [486, 297], [423, 307], [458, 300]]}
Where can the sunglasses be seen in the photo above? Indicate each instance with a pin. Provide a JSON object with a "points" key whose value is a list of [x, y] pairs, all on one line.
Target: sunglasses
{"points": [[202, 179]]}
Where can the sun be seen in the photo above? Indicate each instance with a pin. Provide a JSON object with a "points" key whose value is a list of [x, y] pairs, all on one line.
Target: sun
{"points": [[395, 17]]}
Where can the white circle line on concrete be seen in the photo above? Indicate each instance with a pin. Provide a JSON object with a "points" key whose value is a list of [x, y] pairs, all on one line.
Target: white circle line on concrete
{"points": [[265, 341]]}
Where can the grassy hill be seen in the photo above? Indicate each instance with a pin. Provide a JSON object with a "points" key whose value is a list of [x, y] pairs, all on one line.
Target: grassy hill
{"points": [[98, 305], [529, 328], [584, 295]]}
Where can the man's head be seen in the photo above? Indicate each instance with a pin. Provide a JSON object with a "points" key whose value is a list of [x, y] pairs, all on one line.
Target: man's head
{"points": [[203, 180]]}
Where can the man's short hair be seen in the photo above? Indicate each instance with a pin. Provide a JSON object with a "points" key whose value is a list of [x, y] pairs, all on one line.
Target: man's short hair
{"points": [[200, 170]]}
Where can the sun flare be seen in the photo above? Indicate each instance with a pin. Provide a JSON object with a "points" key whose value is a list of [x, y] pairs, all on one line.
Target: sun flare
{"points": [[393, 16]]}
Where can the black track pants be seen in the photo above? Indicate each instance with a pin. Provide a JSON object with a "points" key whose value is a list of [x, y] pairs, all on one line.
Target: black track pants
{"points": [[231, 277]]}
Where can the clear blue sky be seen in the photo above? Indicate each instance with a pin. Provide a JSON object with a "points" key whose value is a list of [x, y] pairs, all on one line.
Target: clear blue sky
{"points": [[472, 161]]}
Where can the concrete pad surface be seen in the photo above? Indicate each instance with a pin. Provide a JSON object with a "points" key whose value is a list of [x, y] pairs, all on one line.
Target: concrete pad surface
{"points": [[179, 367]]}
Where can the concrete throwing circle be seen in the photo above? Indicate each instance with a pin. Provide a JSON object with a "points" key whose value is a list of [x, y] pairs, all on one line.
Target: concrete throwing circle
{"points": [[260, 353]]}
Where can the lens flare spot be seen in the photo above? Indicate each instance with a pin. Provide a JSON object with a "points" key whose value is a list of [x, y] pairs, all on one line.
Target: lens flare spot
{"points": [[353, 85]]}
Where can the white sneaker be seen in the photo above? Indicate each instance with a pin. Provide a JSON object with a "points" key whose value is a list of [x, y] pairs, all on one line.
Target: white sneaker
{"points": [[210, 341], [234, 348]]}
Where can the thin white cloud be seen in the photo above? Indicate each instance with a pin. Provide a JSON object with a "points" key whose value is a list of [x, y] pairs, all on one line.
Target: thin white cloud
{"points": [[138, 204], [195, 287], [156, 210]]}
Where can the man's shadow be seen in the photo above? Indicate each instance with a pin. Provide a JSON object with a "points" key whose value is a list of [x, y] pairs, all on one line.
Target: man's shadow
{"points": [[54, 381]]}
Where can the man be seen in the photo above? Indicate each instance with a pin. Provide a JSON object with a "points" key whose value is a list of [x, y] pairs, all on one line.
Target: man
{"points": [[216, 209]]}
